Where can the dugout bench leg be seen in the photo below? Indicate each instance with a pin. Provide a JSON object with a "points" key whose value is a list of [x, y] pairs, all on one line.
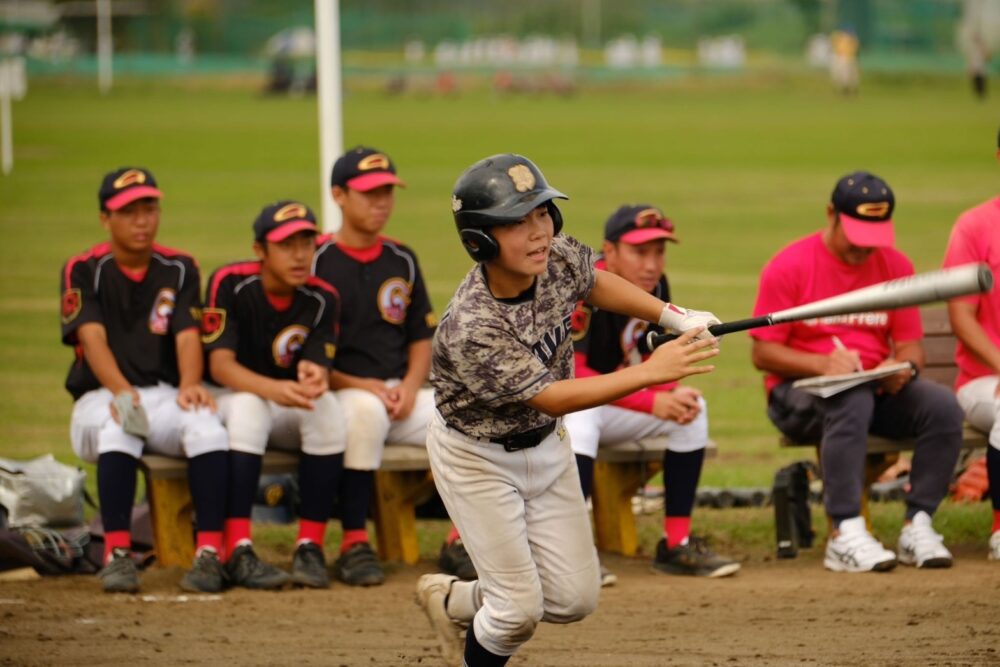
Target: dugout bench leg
{"points": [[614, 520], [170, 508], [396, 495]]}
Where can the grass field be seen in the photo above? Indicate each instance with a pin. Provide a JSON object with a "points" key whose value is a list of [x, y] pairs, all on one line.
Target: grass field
{"points": [[742, 166]]}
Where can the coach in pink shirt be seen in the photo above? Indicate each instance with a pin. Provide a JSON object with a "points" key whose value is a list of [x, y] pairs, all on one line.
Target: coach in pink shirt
{"points": [[976, 322], [855, 250]]}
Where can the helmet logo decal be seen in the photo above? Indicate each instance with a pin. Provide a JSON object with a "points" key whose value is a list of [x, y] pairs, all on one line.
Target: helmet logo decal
{"points": [[456, 204], [523, 179], [393, 298], [130, 177], [374, 161], [287, 344], [289, 212]]}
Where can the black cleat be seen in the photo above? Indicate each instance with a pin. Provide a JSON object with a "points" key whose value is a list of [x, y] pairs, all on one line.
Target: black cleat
{"points": [[207, 575], [120, 574], [246, 570], [359, 566], [692, 559], [309, 566], [454, 560]]}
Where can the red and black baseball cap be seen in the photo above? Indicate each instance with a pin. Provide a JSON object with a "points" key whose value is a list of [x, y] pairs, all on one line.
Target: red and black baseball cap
{"points": [[637, 224], [865, 203], [277, 221], [363, 169], [124, 185]]}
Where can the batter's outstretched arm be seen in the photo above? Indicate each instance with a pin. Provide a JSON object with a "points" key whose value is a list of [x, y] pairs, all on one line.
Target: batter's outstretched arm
{"points": [[672, 361], [94, 339], [614, 293]]}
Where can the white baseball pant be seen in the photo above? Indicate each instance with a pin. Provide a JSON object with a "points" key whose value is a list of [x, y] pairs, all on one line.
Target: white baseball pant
{"points": [[369, 426], [609, 423], [526, 527], [254, 423], [982, 407], [173, 431]]}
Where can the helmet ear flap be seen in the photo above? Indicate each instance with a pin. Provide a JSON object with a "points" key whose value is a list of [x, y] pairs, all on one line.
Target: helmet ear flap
{"points": [[479, 244], [557, 221]]}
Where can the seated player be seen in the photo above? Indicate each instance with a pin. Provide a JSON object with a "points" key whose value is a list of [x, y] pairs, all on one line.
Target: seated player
{"points": [[855, 250], [270, 329], [130, 310], [385, 351], [634, 248]]}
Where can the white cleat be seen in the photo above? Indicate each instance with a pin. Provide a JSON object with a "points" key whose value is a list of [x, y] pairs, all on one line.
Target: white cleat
{"points": [[995, 546], [920, 545], [432, 593], [855, 550]]}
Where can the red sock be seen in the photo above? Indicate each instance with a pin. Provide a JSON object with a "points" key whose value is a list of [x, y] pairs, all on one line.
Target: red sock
{"points": [[311, 531], [453, 535], [116, 539], [236, 531], [211, 539], [352, 537], [996, 520], [676, 529]]}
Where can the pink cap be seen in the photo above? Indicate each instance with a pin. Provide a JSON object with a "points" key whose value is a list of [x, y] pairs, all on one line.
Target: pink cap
{"points": [[126, 197], [367, 182], [286, 229], [867, 233]]}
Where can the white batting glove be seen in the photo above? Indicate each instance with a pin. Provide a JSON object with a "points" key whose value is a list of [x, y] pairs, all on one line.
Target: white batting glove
{"points": [[677, 319]]}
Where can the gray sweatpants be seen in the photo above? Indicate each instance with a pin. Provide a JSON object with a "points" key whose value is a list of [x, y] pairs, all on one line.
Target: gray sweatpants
{"points": [[922, 410]]}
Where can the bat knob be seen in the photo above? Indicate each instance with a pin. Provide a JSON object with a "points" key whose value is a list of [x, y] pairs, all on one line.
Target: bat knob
{"points": [[985, 278]]}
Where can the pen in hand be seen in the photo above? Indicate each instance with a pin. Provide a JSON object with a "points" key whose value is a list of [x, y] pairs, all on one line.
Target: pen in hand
{"points": [[839, 344]]}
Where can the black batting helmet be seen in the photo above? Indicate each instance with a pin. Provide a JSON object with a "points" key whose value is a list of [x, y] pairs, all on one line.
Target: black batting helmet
{"points": [[499, 190]]}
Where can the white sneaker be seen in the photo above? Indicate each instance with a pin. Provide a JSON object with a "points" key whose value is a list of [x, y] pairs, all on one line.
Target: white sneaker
{"points": [[432, 593], [608, 578], [855, 550], [995, 546], [920, 545]]}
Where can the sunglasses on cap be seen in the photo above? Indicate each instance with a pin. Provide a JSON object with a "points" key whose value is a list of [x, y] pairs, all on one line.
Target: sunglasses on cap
{"points": [[652, 217]]}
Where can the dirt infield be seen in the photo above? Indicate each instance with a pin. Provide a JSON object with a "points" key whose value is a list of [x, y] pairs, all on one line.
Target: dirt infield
{"points": [[771, 613]]}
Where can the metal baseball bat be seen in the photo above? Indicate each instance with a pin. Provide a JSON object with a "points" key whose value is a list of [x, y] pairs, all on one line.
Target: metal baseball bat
{"points": [[899, 293]]}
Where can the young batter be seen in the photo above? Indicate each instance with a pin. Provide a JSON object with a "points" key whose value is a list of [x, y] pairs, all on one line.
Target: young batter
{"points": [[502, 371]]}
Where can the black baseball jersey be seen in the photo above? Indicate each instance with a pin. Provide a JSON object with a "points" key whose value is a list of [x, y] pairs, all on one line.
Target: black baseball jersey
{"points": [[385, 305], [269, 335], [610, 341], [142, 313]]}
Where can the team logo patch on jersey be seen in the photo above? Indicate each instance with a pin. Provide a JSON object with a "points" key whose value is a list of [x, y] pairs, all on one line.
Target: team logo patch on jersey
{"points": [[581, 321], [330, 349], [130, 177], [72, 303], [213, 323], [163, 308], [288, 344], [523, 179], [631, 335], [393, 298], [431, 320]]}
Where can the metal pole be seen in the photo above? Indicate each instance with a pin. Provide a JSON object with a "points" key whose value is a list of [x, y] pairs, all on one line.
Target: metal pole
{"points": [[331, 129], [6, 131], [105, 46]]}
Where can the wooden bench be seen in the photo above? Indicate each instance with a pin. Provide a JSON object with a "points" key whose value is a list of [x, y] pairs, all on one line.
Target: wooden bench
{"points": [[939, 366], [402, 482]]}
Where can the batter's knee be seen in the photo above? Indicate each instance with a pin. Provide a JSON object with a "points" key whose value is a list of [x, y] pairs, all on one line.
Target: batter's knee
{"points": [[248, 422], [504, 635], [575, 599]]}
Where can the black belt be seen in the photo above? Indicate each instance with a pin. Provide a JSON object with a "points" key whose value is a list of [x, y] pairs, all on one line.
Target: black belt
{"points": [[523, 440]]}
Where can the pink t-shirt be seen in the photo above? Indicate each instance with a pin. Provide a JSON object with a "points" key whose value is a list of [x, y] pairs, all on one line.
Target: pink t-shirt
{"points": [[806, 270], [976, 238]]}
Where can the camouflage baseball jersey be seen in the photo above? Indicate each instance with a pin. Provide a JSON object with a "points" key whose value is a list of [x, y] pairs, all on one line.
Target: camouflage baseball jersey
{"points": [[491, 355], [142, 314]]}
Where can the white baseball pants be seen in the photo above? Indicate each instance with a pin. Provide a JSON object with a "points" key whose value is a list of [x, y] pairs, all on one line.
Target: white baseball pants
{"points": [[369, 426], [526, 527], [609, 423], [173, 431], [981, 406], [254, 423]]}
